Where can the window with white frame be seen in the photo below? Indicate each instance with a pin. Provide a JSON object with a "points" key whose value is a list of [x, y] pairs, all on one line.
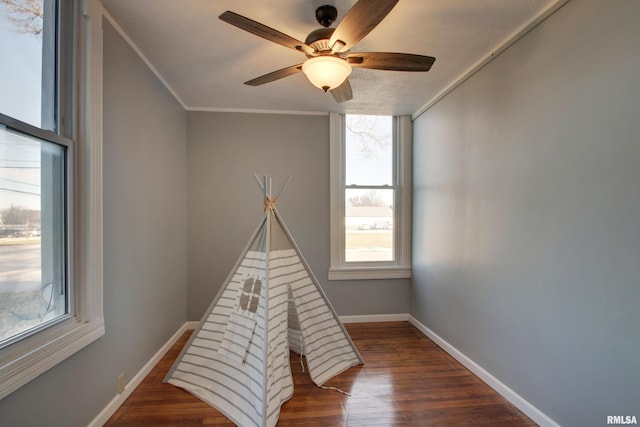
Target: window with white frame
{"points": [[370, 197], [50, 293]]}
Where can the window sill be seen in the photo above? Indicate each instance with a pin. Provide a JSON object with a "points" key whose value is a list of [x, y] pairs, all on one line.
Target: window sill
{"points": [[38, 356], [369, 273]]}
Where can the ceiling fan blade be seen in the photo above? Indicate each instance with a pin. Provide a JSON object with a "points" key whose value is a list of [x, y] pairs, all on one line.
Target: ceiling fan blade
{"points": [[265, 32], [275, 75], [358, 22], [390, 61], [343, 92]]}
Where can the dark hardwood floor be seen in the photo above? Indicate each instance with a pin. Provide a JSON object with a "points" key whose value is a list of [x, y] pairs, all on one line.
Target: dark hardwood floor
{"points": [[407, 380]]}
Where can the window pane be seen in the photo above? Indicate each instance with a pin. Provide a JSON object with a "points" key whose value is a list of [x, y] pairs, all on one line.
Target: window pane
{"points": [[27, 68], [368, 225], [33, 285], [368, 150]]}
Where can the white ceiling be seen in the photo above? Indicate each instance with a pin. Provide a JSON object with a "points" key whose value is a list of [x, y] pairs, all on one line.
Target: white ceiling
{"points": [[204, 61]]}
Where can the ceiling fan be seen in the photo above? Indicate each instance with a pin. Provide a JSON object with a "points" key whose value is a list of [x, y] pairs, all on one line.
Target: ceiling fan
{"points": [[329, 60]]}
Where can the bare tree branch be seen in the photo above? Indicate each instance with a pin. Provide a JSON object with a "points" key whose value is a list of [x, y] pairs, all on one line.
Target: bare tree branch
{"points": [[367, 129], [26, 15]]}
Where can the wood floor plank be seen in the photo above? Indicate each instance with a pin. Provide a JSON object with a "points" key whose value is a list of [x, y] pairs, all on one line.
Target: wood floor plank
{"points": [[407, 381]]}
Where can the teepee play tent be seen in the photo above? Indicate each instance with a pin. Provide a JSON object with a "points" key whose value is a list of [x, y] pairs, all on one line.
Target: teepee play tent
{"points": [[237, 359]]}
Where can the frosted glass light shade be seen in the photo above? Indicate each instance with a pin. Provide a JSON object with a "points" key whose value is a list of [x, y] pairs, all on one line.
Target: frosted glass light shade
{"points": [[326, 72]]}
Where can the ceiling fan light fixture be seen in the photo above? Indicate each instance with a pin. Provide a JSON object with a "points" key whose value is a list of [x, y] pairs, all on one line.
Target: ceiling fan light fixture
{"points": [[326, 72]]}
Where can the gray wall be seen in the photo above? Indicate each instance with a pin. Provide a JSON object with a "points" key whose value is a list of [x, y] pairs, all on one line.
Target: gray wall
{"points": [[145, 246], [527, 215], [225, 203]]}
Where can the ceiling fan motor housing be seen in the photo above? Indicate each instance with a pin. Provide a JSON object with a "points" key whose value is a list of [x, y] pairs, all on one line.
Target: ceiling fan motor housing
{"points": [[319, 39]]}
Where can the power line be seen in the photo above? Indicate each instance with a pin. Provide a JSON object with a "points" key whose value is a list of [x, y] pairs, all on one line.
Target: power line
{"points": [[20, 182], [20, 160], [20, 191]]}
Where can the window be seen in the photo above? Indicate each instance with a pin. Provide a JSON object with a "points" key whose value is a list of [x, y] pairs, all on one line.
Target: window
{"points": [[370, 197], [50, 293]]}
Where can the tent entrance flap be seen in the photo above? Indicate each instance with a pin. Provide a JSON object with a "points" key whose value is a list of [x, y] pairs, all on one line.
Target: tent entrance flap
{"points": [[237, 359]]}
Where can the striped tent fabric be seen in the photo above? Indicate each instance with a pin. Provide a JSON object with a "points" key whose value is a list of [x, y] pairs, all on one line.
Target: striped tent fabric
{"points": [[237, 359]]}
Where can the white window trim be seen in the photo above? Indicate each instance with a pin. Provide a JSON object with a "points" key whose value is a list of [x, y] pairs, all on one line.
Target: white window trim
{"points": [[401, 268], [25, 360]]}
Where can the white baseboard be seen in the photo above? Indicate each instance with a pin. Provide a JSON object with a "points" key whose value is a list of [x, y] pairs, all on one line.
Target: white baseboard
{"points": [[189, 326], [119, 399], [400, 317], [518, 401]]}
